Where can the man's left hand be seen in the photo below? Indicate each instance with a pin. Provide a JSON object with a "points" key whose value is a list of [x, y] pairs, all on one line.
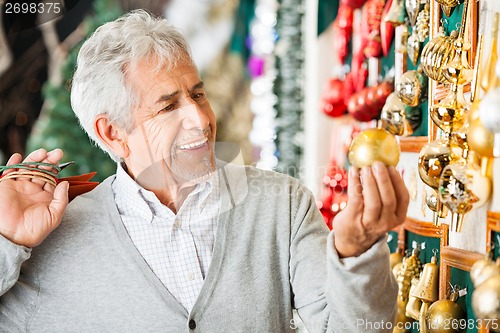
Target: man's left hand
{"points": [[378, 202]]}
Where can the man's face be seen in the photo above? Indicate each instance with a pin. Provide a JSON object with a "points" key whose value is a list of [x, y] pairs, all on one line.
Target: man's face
{"points": [[174, 126]]}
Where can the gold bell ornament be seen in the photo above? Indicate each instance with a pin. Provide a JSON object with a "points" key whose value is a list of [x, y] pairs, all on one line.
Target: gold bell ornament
{"points": [[427, 289], [414, 304], [446, 316], [398, 118], [485, 276], [374, 144]]}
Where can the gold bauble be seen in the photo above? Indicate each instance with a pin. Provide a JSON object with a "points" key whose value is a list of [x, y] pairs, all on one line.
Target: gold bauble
{"points": [[442, 314], [374, 144], [482, 270], [450, 114], [395, 258], [486, 299], [480, 139], [399, 118], [411, 88], [433, 158]]}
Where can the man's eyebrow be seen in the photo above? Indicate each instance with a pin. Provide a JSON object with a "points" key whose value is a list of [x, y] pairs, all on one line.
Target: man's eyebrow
{"points": [[199, 85], [168, 97]]}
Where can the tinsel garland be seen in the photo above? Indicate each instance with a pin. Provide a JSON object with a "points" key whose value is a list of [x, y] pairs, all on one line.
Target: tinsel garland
{"points": [[288, 86], [58, 126]]}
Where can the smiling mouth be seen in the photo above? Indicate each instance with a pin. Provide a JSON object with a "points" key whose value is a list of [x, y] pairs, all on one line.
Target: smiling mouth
{"points": [[194, 145]]}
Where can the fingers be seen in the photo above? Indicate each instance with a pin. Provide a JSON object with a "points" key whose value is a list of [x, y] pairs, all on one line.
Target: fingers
{"points": [[41, 155], [372, 201], [385, 187], [401, 192], [60, 201], [354, 188], [14, 159]]}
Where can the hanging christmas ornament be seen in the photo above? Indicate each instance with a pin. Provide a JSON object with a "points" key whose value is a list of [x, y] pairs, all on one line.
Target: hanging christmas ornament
{"points": [[342, 28], [485, 276], [374, 144], [409, 270], [414, 304], [422, 24], [479, 138], [436, 55], [395, 258], [332, 100], [367, 104], [458, 71], [427, 289], [442, 313], [450, 114], [386, 31], [489, 112], [412, 88], [398, 118], [372, 17], [462, 186], [489, 77], [432, 160], [396, 14], [413, 47], [413, 8], [448, 5]]}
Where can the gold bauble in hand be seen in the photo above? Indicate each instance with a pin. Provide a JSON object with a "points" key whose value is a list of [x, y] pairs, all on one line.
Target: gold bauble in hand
{"points": [[374, 144]]}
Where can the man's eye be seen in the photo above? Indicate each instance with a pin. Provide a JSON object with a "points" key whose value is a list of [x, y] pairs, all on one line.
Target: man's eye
{"points": [[198, 96], [167, 108]]}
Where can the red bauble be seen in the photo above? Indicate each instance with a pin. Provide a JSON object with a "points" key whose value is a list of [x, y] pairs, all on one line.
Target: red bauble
{"points": [[332, 100]]}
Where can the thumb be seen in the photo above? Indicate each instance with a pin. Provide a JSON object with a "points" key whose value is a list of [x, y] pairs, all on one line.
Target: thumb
{"points": [[60, 201]]}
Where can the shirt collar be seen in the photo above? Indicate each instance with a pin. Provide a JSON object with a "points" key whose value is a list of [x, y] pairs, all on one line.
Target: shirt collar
{"points": [[146, 204]]}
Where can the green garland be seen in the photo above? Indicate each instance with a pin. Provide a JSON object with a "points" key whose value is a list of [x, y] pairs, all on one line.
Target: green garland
{"points": [[288, 87], [58, 126]]}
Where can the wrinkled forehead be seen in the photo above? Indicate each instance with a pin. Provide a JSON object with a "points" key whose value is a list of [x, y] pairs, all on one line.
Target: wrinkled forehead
{"points": [[145, 76]]}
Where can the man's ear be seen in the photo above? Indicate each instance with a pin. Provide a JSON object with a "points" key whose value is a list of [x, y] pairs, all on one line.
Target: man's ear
{"points": [[111, 135]]}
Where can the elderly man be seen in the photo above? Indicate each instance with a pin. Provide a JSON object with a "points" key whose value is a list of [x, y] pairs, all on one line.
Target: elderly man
{"points": [[178, 241]]}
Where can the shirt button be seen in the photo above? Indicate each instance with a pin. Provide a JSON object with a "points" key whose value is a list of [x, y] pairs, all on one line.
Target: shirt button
{"points": [[190, 277], [178, 223], [192, 324]]}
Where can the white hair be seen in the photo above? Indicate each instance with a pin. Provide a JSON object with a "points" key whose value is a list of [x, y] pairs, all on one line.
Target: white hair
{"points": [[99, 85]]}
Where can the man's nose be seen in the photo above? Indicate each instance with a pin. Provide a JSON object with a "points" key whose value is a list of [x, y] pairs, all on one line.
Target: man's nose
{"points": [[193, 117]]}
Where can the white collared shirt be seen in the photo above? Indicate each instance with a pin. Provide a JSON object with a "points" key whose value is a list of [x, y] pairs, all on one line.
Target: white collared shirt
{"points": [[177, 247]]}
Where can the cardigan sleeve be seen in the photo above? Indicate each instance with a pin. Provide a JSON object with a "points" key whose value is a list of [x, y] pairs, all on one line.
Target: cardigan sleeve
{"points": [[332, 294], [11, 258]]}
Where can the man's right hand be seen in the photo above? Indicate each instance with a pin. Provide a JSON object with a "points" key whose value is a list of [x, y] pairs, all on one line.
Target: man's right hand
{"points": [[30, 209]]}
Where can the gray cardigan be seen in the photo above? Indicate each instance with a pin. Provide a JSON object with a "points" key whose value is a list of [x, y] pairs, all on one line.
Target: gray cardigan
{"points": [[272, 254]]}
